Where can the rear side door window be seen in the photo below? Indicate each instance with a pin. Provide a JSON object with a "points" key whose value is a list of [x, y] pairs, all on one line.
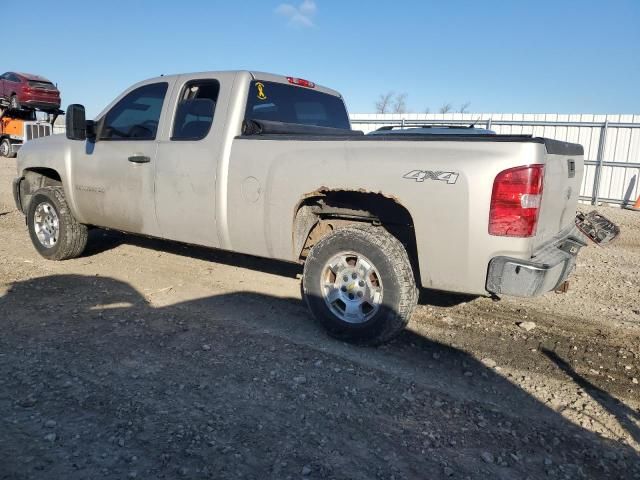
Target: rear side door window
{"points": [[195, 110], [136, 116]]}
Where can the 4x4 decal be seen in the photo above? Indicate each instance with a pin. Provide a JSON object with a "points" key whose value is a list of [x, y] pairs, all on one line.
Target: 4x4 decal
{"points": [[422, 175]]}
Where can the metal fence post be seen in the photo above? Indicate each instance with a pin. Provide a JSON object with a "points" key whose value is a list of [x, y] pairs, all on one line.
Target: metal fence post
{"points": [[601, 147], [489, 123]]}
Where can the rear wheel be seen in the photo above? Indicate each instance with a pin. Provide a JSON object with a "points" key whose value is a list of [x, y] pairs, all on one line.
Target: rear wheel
{"points": [[359, 284], [54, 232], [5, 148]]}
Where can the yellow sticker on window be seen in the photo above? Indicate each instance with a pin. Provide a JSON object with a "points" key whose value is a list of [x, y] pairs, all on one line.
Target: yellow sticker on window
{"points": [[261, 94]]}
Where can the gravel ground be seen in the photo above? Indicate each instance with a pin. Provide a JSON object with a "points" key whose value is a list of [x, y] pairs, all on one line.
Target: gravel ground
{"points": [[149, 359]]}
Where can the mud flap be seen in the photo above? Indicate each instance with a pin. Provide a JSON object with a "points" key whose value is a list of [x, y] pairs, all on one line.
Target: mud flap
{"points": [[597, 228]]}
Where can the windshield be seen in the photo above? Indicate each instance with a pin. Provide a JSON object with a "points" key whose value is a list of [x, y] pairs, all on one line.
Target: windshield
{"points": [[291, 104], [29, 115]]}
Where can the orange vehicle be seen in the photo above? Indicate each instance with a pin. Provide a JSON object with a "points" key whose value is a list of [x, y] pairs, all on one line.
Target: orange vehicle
{"points": [[19, 126]]}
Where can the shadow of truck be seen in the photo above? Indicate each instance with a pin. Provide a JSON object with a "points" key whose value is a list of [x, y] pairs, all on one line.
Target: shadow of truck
{"points": [[98, 382]]}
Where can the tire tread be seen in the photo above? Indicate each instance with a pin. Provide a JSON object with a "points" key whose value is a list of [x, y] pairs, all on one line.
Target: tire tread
{"points": [[74, 238], [403, 271]]}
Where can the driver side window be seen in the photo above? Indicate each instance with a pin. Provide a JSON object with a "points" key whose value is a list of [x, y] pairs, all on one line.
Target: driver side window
{"points": [[136, 116]]}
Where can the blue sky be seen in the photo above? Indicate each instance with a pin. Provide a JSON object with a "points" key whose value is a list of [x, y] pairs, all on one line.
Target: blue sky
{"points": [[502, 56]]}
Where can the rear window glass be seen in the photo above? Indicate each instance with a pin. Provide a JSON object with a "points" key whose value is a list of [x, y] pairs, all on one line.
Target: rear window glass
{"points": [[292, 104], [41, 84]]}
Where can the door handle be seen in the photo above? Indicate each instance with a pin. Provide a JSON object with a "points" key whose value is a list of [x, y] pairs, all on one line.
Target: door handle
{"points": [[139, 159]]}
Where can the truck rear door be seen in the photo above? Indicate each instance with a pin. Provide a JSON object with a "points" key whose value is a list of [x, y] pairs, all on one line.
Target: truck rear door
{"points": [[189, 154]]}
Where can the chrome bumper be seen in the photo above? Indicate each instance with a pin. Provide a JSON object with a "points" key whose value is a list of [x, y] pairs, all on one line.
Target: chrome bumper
{"points": [[544, 272]]}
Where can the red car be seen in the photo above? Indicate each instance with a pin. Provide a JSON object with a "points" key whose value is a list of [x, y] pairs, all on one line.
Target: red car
{"points": [[23, 90]]}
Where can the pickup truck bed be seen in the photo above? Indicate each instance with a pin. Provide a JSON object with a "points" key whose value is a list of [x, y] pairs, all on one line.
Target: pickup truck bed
{"points": [[452, 216]]}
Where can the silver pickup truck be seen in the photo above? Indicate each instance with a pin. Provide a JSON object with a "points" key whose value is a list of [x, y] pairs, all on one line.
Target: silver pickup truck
{"points": [[268, 165]]}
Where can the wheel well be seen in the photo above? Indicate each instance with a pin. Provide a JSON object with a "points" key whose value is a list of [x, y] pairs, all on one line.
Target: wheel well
{"points": [[34, 179], [324, 211]]}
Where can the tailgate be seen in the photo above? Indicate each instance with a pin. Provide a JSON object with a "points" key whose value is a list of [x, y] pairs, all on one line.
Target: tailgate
{"points": [[564, 164]]}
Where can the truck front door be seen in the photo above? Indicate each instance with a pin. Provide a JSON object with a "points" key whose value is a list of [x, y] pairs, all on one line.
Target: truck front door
{"points": [[113, 176], [189, 152]]}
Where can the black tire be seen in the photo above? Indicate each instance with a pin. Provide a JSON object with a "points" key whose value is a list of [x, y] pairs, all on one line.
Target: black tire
{"points": [[14, 104], [72, 236], [391, 261], [5, 148]]}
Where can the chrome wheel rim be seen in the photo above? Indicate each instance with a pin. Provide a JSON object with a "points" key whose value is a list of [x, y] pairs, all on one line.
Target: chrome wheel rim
{"points": [[46, 225], [351, 287]]}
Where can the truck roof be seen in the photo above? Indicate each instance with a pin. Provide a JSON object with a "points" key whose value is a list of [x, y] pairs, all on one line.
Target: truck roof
{"points": [[271, 77], [255, 75]]}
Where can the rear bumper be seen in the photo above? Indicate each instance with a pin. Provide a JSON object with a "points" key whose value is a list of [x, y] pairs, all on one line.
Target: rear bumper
{"points": [[42, 103], [546, 271]]}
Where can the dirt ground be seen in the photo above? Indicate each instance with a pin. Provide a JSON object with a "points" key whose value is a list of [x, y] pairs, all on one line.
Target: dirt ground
{"points": [[150, 359]]}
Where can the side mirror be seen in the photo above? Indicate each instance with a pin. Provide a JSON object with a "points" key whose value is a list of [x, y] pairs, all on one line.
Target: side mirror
{"points": [[76, 122]]}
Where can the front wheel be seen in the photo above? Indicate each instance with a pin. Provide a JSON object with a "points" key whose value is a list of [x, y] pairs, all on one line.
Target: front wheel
{"points": [[358, 282], [54, 231]]}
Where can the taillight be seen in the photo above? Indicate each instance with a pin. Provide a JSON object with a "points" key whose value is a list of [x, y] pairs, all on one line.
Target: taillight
{"points": [[301, 82], [515, 201]]}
